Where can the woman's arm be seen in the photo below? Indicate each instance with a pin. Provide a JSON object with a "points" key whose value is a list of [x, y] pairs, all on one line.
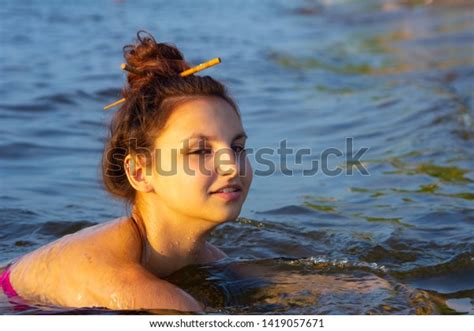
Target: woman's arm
{"points": [[139, 289]]}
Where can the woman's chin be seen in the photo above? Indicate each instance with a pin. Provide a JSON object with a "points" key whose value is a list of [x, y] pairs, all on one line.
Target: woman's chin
{"points": [[226, 216]]}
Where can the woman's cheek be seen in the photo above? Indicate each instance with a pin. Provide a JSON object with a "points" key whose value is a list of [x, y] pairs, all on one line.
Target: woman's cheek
{"points": [[246, 170], [199, 166]]}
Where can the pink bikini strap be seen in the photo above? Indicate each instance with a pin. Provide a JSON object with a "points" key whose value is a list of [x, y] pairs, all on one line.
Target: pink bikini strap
{"points": [[6, 285]]}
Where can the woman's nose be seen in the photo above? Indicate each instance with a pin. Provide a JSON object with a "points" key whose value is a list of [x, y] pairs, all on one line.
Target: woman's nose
{"points": [[225, 162]]}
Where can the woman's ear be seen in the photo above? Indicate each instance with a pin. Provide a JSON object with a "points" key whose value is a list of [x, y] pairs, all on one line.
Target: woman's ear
{"points": [[137, 175]]}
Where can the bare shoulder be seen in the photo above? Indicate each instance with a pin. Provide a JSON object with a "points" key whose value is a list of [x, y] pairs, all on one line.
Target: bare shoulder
{"points": [[105, 241], [62, 266]]}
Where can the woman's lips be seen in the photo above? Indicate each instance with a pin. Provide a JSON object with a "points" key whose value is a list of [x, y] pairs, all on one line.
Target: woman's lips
{"points": [[228, 196]]}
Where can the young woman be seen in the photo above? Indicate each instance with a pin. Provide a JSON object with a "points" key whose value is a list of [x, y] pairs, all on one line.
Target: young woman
{"points": [[176, 156]]}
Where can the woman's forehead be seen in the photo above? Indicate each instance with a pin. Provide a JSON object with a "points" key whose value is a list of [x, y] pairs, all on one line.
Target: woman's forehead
{"points": [[203, 117]]}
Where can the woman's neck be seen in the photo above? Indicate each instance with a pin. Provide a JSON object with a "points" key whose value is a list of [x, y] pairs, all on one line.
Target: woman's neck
{"points": [[170, 241]]}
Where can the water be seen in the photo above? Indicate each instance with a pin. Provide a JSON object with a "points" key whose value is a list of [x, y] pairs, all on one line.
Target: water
{"points": [[396, 78]]}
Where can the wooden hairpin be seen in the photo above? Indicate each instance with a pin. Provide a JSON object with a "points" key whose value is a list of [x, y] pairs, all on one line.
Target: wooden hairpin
{"points": [[187, 72]]}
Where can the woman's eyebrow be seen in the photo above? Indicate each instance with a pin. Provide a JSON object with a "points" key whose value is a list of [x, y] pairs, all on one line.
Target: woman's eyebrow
{"points": [[211, 138], [240, 135]]}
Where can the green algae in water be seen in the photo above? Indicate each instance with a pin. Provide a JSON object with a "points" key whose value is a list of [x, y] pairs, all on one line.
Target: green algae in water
{"points": [[428, 188], [294, 63], [359, 189], [446, 174], [393, 220], [377, 194], [373, 193], [462, 195], [334, 90], [323, 208], [319, 198]]}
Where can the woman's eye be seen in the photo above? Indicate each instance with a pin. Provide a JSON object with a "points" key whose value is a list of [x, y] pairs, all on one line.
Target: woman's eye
{"points": [[239, 149], [201, 151]]}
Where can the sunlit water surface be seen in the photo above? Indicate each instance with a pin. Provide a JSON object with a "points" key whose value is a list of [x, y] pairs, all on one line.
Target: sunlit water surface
{"points": [[396, 78]]}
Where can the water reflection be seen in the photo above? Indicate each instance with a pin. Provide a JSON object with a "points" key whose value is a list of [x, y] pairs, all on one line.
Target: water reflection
{"points": [[396, 76]]}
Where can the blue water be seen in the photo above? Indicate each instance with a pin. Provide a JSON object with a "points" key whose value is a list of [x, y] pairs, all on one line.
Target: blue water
{"points": [[397, 78]]}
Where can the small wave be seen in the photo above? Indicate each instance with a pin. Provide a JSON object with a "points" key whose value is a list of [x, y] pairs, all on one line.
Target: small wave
{"points": [[108, 93], [17, 221], [58, 98], [311, 285], [26, 150], [14, 213], [27, 107], [288, 210], [62, 228], [460, 263], [321, 262]]}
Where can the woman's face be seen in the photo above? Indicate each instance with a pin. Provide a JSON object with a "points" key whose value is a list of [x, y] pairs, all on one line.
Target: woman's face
{"points": [[200, 151]]}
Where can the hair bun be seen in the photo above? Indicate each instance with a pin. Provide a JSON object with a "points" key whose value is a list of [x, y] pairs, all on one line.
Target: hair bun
{"points": [[153, 59]]}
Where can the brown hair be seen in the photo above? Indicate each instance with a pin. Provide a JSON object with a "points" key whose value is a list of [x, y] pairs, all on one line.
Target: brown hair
{"points": [[150, 100]]}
